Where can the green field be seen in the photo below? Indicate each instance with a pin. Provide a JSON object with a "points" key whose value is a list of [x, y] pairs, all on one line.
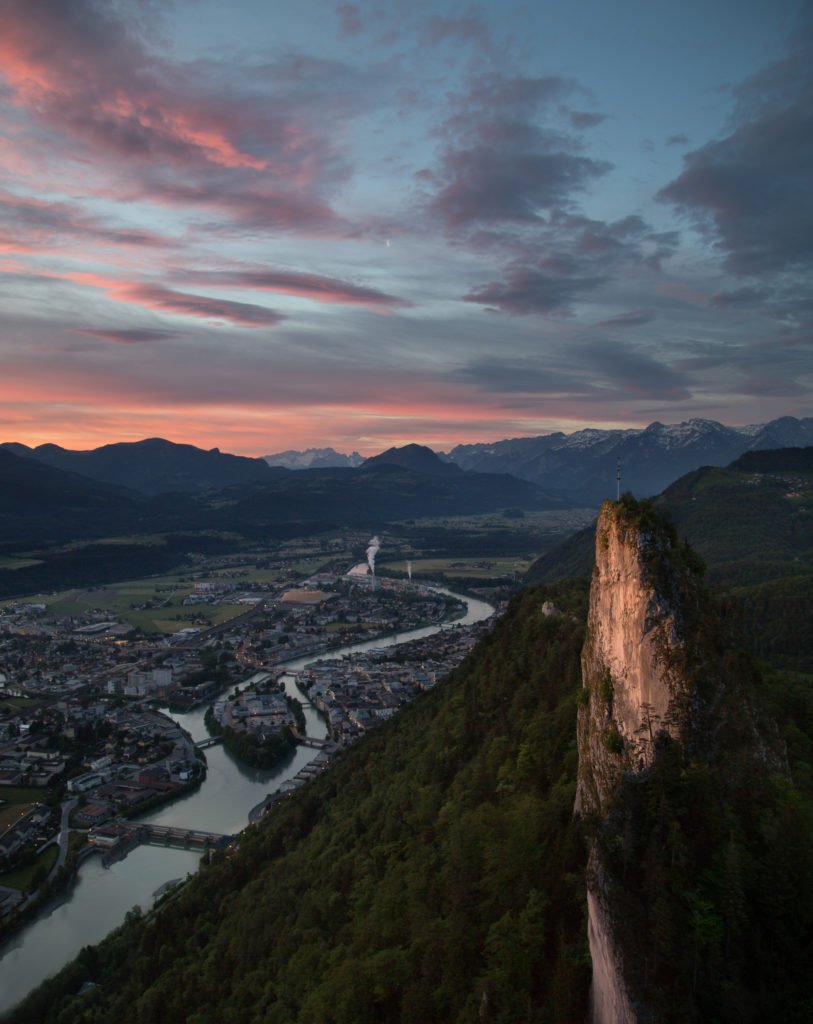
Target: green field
{"points": [[475, 568], [21, 878], [552, 521], [14, 562], [15, 704], [23, 794], [156, 604]]}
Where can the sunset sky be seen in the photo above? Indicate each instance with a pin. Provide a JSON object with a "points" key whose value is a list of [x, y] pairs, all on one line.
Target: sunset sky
{"points": [[276, 224]]}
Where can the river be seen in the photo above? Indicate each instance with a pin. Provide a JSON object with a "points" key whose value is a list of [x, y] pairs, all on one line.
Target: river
{"points": [[101, 897]]}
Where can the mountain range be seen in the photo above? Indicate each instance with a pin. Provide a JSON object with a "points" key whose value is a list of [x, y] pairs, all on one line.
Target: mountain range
{"points": [[583, 465], [314, 458], [578, 469], [152, 466]]}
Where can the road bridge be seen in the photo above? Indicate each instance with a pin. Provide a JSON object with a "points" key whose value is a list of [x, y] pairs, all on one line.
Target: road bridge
{"points": [[176, 835], [118, 838], [212, 741], [308, 741]]}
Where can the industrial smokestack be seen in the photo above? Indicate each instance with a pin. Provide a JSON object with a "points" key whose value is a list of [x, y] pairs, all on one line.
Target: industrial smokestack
{"points": [[409, 570], [372, 550]]}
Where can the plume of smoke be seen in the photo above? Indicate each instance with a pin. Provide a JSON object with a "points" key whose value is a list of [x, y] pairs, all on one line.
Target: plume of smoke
{"points": [[409, 570], [372, 550]]}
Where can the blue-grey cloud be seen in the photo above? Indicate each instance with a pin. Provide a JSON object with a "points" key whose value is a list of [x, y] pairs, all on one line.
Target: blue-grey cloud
{"points": [[634, 372], [503, 159], [524, 376], [635, 318], [581, 254], [741, 298], [350, 23], [585, 118], [603, 370], [525, 290], [485, 184], [750, 190]]}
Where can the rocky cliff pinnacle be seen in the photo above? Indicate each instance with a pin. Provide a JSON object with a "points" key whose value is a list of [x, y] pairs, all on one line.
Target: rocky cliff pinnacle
{"points": [[636, 690], [634, 657]]}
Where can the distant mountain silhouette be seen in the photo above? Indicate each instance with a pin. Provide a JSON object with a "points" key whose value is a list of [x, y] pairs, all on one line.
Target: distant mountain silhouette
{"points": [[152, 466], [416, 457]]}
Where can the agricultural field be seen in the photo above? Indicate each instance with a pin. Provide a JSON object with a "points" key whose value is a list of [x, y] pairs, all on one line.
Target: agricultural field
{"points": [[13, 705], [474, 568], [14, 562], [551, 521], [155, 604], [23, 794]]}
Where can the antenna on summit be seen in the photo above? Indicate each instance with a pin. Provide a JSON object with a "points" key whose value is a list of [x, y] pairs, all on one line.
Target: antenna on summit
{"points": [[618, 479]]}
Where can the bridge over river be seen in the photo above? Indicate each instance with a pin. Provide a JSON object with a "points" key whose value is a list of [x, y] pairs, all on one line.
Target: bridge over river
{"points": [[119, 841], [212, 741], [173, 835]]}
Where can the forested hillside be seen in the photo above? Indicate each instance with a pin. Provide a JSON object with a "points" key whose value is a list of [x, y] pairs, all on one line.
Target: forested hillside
{"points": [[434, 874]]}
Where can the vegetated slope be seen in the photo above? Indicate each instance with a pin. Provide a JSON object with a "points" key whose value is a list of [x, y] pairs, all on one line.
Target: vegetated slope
{"points": [[701, 833], [94, 564], [753, 520], [573, 557], [38, 502], [153, 466], [435, 873], [752, 523], [372, 495]]}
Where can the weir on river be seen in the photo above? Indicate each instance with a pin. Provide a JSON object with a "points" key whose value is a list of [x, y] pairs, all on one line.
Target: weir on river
{"points": [[101, 897]]}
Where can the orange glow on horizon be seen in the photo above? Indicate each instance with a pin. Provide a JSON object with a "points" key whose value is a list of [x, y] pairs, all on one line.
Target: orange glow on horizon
{"points": [[263, 431]]}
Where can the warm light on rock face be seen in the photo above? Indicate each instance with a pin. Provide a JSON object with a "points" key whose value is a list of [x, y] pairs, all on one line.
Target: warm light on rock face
{"points": [[633, 670], [632, 658]]}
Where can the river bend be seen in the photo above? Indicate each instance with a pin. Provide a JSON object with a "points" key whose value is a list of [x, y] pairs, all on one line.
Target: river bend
{"points": [[101, 896]]}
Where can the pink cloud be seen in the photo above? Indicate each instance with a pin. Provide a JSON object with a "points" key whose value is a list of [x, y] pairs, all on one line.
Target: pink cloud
{"points": [[241, 314], [80, 69], [181, 134], [37, 224], [308, 286]]}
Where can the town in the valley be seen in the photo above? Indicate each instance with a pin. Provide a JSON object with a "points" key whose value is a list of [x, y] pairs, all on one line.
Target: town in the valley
{"points": [[87, 741]]}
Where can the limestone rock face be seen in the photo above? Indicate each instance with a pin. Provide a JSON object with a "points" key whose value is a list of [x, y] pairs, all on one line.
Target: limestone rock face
{"points": [[636, 686], [633, 658]]}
